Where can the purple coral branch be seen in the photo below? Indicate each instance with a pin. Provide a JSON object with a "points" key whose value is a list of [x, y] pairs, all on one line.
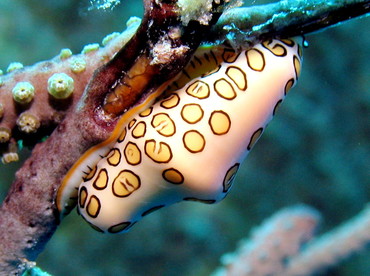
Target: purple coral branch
{"points": [[332, 247], [251, 25], [277, 239], [28, 216], [283, 245], [44, 109]]}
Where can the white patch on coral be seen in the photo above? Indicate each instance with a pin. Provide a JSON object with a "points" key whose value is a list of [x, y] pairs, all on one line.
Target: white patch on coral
{"points": [[201, 10], [163, 52]]}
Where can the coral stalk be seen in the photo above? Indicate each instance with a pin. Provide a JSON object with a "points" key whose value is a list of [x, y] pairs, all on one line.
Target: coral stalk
{"points": [[47, 110], [278, 238], [279, 246], [332, 247], [251, 25]]}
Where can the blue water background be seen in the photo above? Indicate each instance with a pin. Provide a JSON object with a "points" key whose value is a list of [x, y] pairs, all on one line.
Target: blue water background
{"points": [[316, 151]]}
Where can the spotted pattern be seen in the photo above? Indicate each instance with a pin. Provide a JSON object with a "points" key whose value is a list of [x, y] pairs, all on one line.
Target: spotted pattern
{"points": [[288, 42], [132, 123], [146, 112], [159, 152], [277, 106], [119, 227], [238, 76], [288, 86], [192, 113], [122, 136], [163, 124], [93, 207], [96, 228], [211, 72], [224, 89], [91, 174], [132, 154], [276, 48], [173, 176], [219, 122], [139, 130], [82, 197], [194, 141], [206, 201], [125, 183], [229, 177], [198, 89], [297, 66], [172, 101], [188, 145], [255, 136], [114, 157], [229, 55], [255, 59], [101, 181]]}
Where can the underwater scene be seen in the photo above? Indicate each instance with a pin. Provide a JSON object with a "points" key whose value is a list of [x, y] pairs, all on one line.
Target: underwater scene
{"points": [[314, 153]]}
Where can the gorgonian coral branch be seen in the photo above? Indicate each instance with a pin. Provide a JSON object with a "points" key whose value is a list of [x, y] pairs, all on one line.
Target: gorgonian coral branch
{"points": [[28, 116], [251, 25], [285, 245], [276, 240]]}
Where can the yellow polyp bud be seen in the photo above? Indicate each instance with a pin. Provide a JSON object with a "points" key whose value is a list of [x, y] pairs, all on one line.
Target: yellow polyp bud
{"points": [[109, 38], [133, 20], [90, 48], [5, 134], [1, 72], [60, 86], [23, 92], [65, 53], [78, 65], [1, 110], [14, 66], [28, 123], [9, 157]]}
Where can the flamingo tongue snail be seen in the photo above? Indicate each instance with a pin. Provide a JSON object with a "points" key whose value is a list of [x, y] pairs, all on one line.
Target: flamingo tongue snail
{"points": [[186, 145]]}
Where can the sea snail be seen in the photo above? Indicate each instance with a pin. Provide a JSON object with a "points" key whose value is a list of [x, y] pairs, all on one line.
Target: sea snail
{"points": [[187, 145]]}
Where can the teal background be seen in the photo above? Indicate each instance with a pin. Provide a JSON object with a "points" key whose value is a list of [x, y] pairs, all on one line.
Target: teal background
{"points": [[315, 151]]}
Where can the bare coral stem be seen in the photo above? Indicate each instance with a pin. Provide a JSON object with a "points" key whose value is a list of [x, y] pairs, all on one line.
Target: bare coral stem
{"points": [[251, 25], [340, 243]]}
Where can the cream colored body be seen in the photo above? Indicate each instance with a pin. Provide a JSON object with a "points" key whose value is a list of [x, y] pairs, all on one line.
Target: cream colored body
{"points": [[193, 143]]}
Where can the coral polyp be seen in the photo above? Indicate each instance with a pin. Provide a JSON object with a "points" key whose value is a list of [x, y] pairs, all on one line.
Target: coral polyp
{"points": [[5, 134], [60, 86], [65, 53], [14, 66], [78, 65], [9, 157], [90, 48], [28, 123], [42, 88], [23, 92], [109, 38]]}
